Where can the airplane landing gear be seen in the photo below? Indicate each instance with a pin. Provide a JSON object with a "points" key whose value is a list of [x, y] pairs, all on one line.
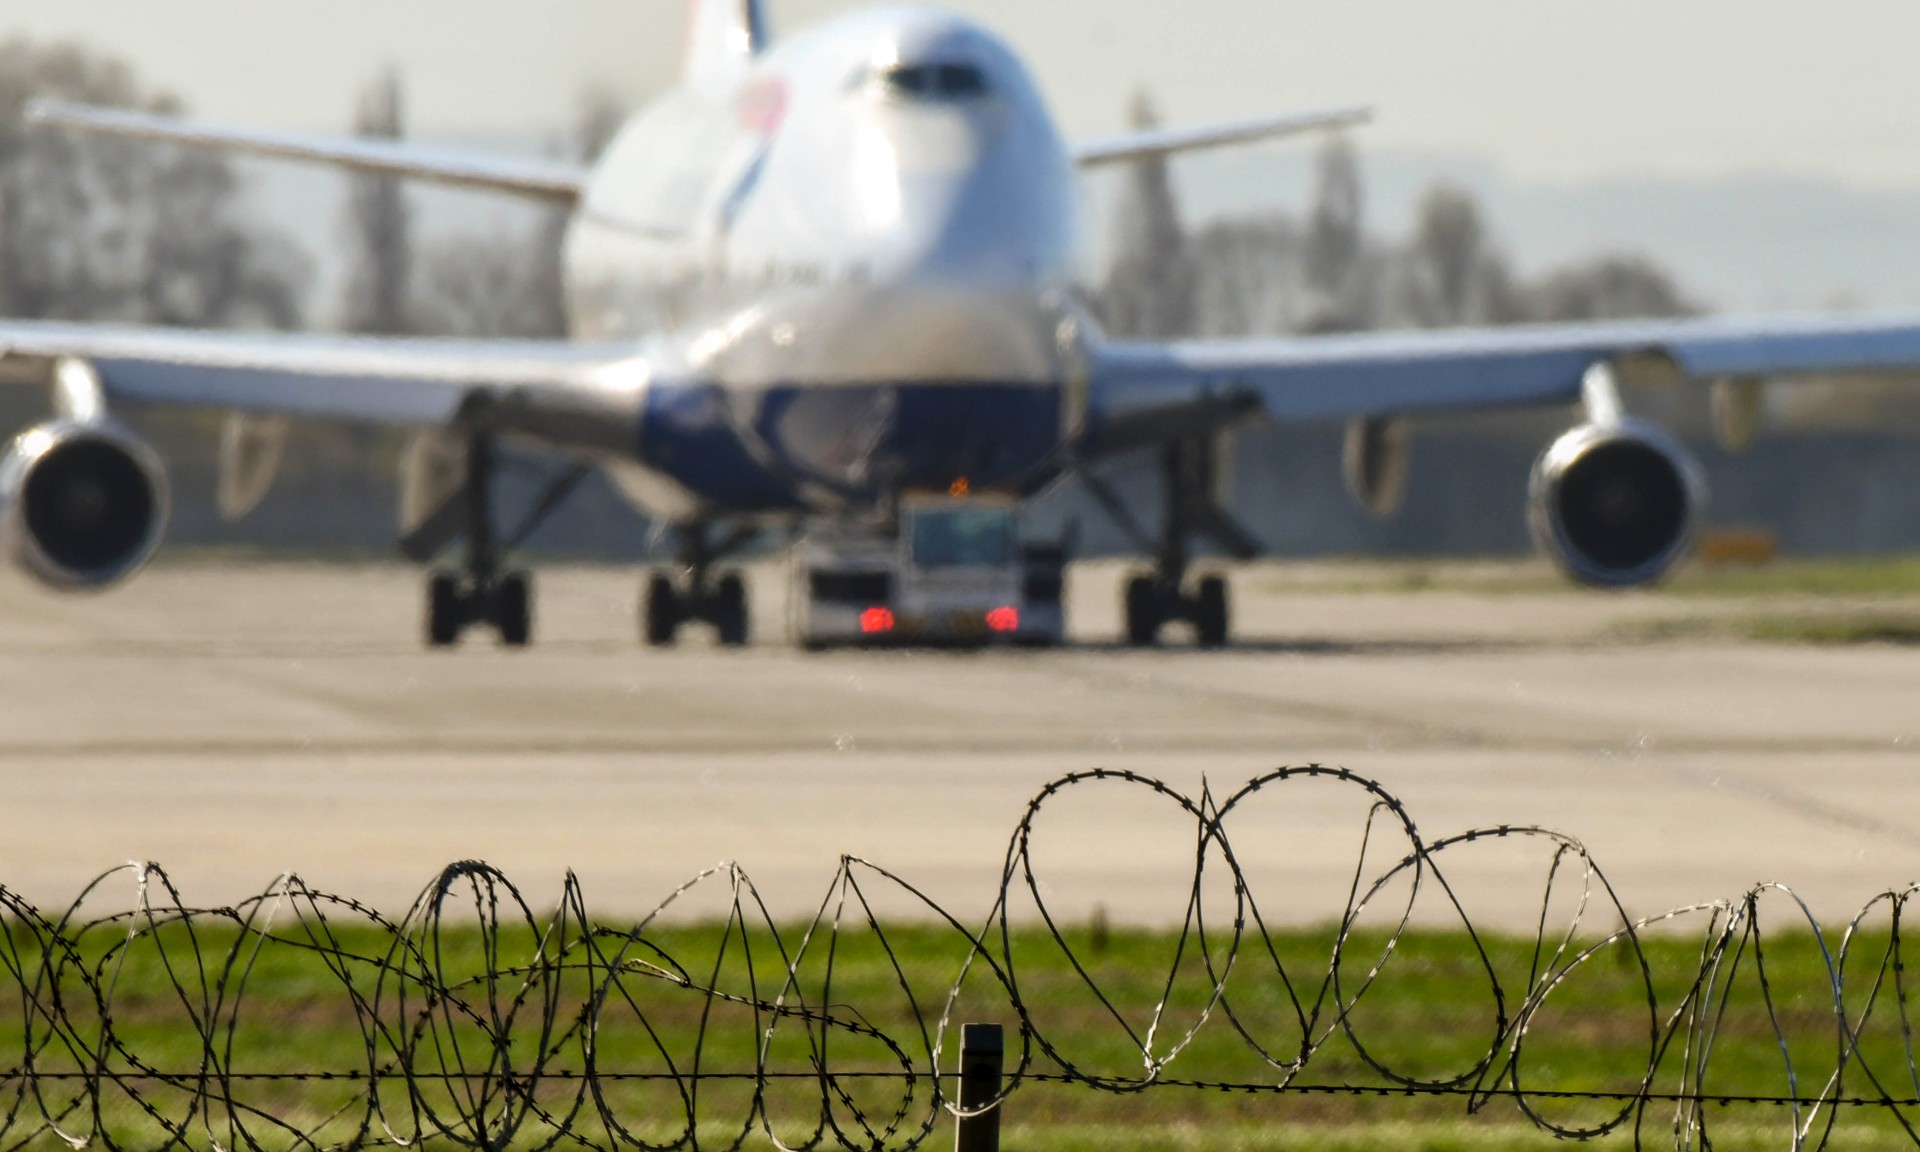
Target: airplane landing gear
{"points": [[1151, 604], [455, 603], [1152, 600], [698, 597], [483, 591]]}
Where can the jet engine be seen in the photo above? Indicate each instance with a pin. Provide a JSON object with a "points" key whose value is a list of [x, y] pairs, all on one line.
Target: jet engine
{"points": [[83, 505], [1616, 503]]}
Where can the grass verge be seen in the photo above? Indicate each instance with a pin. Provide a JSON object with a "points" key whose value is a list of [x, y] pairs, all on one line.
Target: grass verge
{"points": [[206, 1004], [1897, 575]]}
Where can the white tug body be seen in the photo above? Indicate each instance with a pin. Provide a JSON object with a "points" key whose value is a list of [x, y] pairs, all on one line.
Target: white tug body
{"points": [[955, 572]]}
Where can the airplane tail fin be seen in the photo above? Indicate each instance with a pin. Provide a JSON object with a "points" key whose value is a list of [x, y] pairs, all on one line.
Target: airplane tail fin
{"points": [[722, 36]]}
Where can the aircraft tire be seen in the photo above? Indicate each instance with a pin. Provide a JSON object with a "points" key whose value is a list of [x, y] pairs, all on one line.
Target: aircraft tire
{"points": [[1142, 611], [1211, 619], [446, 613], [660, 612], [513, 610], [730, 610]]}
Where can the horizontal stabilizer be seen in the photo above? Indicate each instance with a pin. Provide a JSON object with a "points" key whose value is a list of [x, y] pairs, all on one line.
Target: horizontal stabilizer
{"points": [[557, 183], [1167, 141]]}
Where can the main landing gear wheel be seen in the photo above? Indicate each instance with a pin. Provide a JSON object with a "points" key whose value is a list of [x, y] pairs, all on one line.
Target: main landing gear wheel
{"points": [[660, 612], [1142, 612], [698, 596], [455, 604], [665, 608], [730, 610], [1150, 604], [1194, 507], [483, 591], [1210, 615], [513, 609]]}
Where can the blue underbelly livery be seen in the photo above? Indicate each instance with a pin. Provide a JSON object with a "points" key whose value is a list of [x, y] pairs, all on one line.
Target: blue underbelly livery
{"points": [[794, 448]]}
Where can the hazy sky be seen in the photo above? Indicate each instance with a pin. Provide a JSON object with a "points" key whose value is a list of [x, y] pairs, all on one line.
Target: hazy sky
{"points": [[1548, 90]]}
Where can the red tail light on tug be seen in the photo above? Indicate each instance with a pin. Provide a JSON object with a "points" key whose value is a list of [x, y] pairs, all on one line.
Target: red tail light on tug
{"points": [[1004, 619], [876, 621]]}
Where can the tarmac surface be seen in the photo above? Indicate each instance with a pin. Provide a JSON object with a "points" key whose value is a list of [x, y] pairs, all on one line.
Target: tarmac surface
{"points": [[235, 722]]}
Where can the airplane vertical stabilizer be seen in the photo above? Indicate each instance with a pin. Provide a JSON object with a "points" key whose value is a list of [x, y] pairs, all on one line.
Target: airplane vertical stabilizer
{"points": [[722, 36]]}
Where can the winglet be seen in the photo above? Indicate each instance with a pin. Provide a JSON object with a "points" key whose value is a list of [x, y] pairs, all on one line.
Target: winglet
{"points": [[1167, 141]]}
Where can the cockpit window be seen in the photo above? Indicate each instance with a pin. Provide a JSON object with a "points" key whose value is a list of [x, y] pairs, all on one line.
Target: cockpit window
{"points": [[927, 82], [961, 80]]}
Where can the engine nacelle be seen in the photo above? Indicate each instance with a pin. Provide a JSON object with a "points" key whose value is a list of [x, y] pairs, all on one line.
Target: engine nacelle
{"points": [[82, 505], [1616, 504]]}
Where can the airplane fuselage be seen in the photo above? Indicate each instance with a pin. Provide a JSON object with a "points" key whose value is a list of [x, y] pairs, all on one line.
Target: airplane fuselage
{"points": [[861, 249]]}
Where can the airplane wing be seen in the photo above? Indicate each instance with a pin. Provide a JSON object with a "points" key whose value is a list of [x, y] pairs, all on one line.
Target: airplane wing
{"points": [[1404, 373], [562, 184], [1166, 142], [417, 382]]}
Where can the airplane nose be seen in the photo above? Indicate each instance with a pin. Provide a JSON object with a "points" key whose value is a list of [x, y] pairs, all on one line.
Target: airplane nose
{"points": [[961, 205], [940, 141]]}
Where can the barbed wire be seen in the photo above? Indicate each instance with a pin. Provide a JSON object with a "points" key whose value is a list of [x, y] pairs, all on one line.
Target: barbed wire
{"points": [[709, 1024]]}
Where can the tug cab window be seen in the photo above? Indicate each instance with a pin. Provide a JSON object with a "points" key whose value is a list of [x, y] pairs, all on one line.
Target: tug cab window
{"points": [[962, 536]]}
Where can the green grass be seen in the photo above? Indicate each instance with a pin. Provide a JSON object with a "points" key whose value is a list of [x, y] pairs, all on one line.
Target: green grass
{"points": [[1868, 628], [1862, 576], [1844, 577], [1430, 1014], [1818, 629]]}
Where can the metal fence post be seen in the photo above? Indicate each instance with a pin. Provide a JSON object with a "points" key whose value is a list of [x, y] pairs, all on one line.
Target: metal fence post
{"points": [[982, 1060]]}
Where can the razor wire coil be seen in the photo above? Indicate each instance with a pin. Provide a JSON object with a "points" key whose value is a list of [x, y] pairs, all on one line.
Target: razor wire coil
{"points": [[472, 1021]]}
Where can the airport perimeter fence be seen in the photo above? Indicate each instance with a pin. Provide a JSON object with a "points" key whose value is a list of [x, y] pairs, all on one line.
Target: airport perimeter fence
{"points": [[304, 1019]]}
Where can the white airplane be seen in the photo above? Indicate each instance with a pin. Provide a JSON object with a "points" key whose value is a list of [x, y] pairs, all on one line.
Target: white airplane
{"points": [[823, 273]]}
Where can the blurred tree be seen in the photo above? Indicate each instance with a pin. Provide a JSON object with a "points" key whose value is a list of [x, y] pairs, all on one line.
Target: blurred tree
{"points": [[1246, 278], [1267, 274], [379, 225], [1452, 272], [599, 115], [204, 269], [1609, 288], [1149, 290], [99, 229], [488, 285], [511, 282], [1336, 241]]}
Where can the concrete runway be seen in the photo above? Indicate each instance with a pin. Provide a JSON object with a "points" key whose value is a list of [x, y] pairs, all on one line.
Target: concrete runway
{"points": [[234, 722]]}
